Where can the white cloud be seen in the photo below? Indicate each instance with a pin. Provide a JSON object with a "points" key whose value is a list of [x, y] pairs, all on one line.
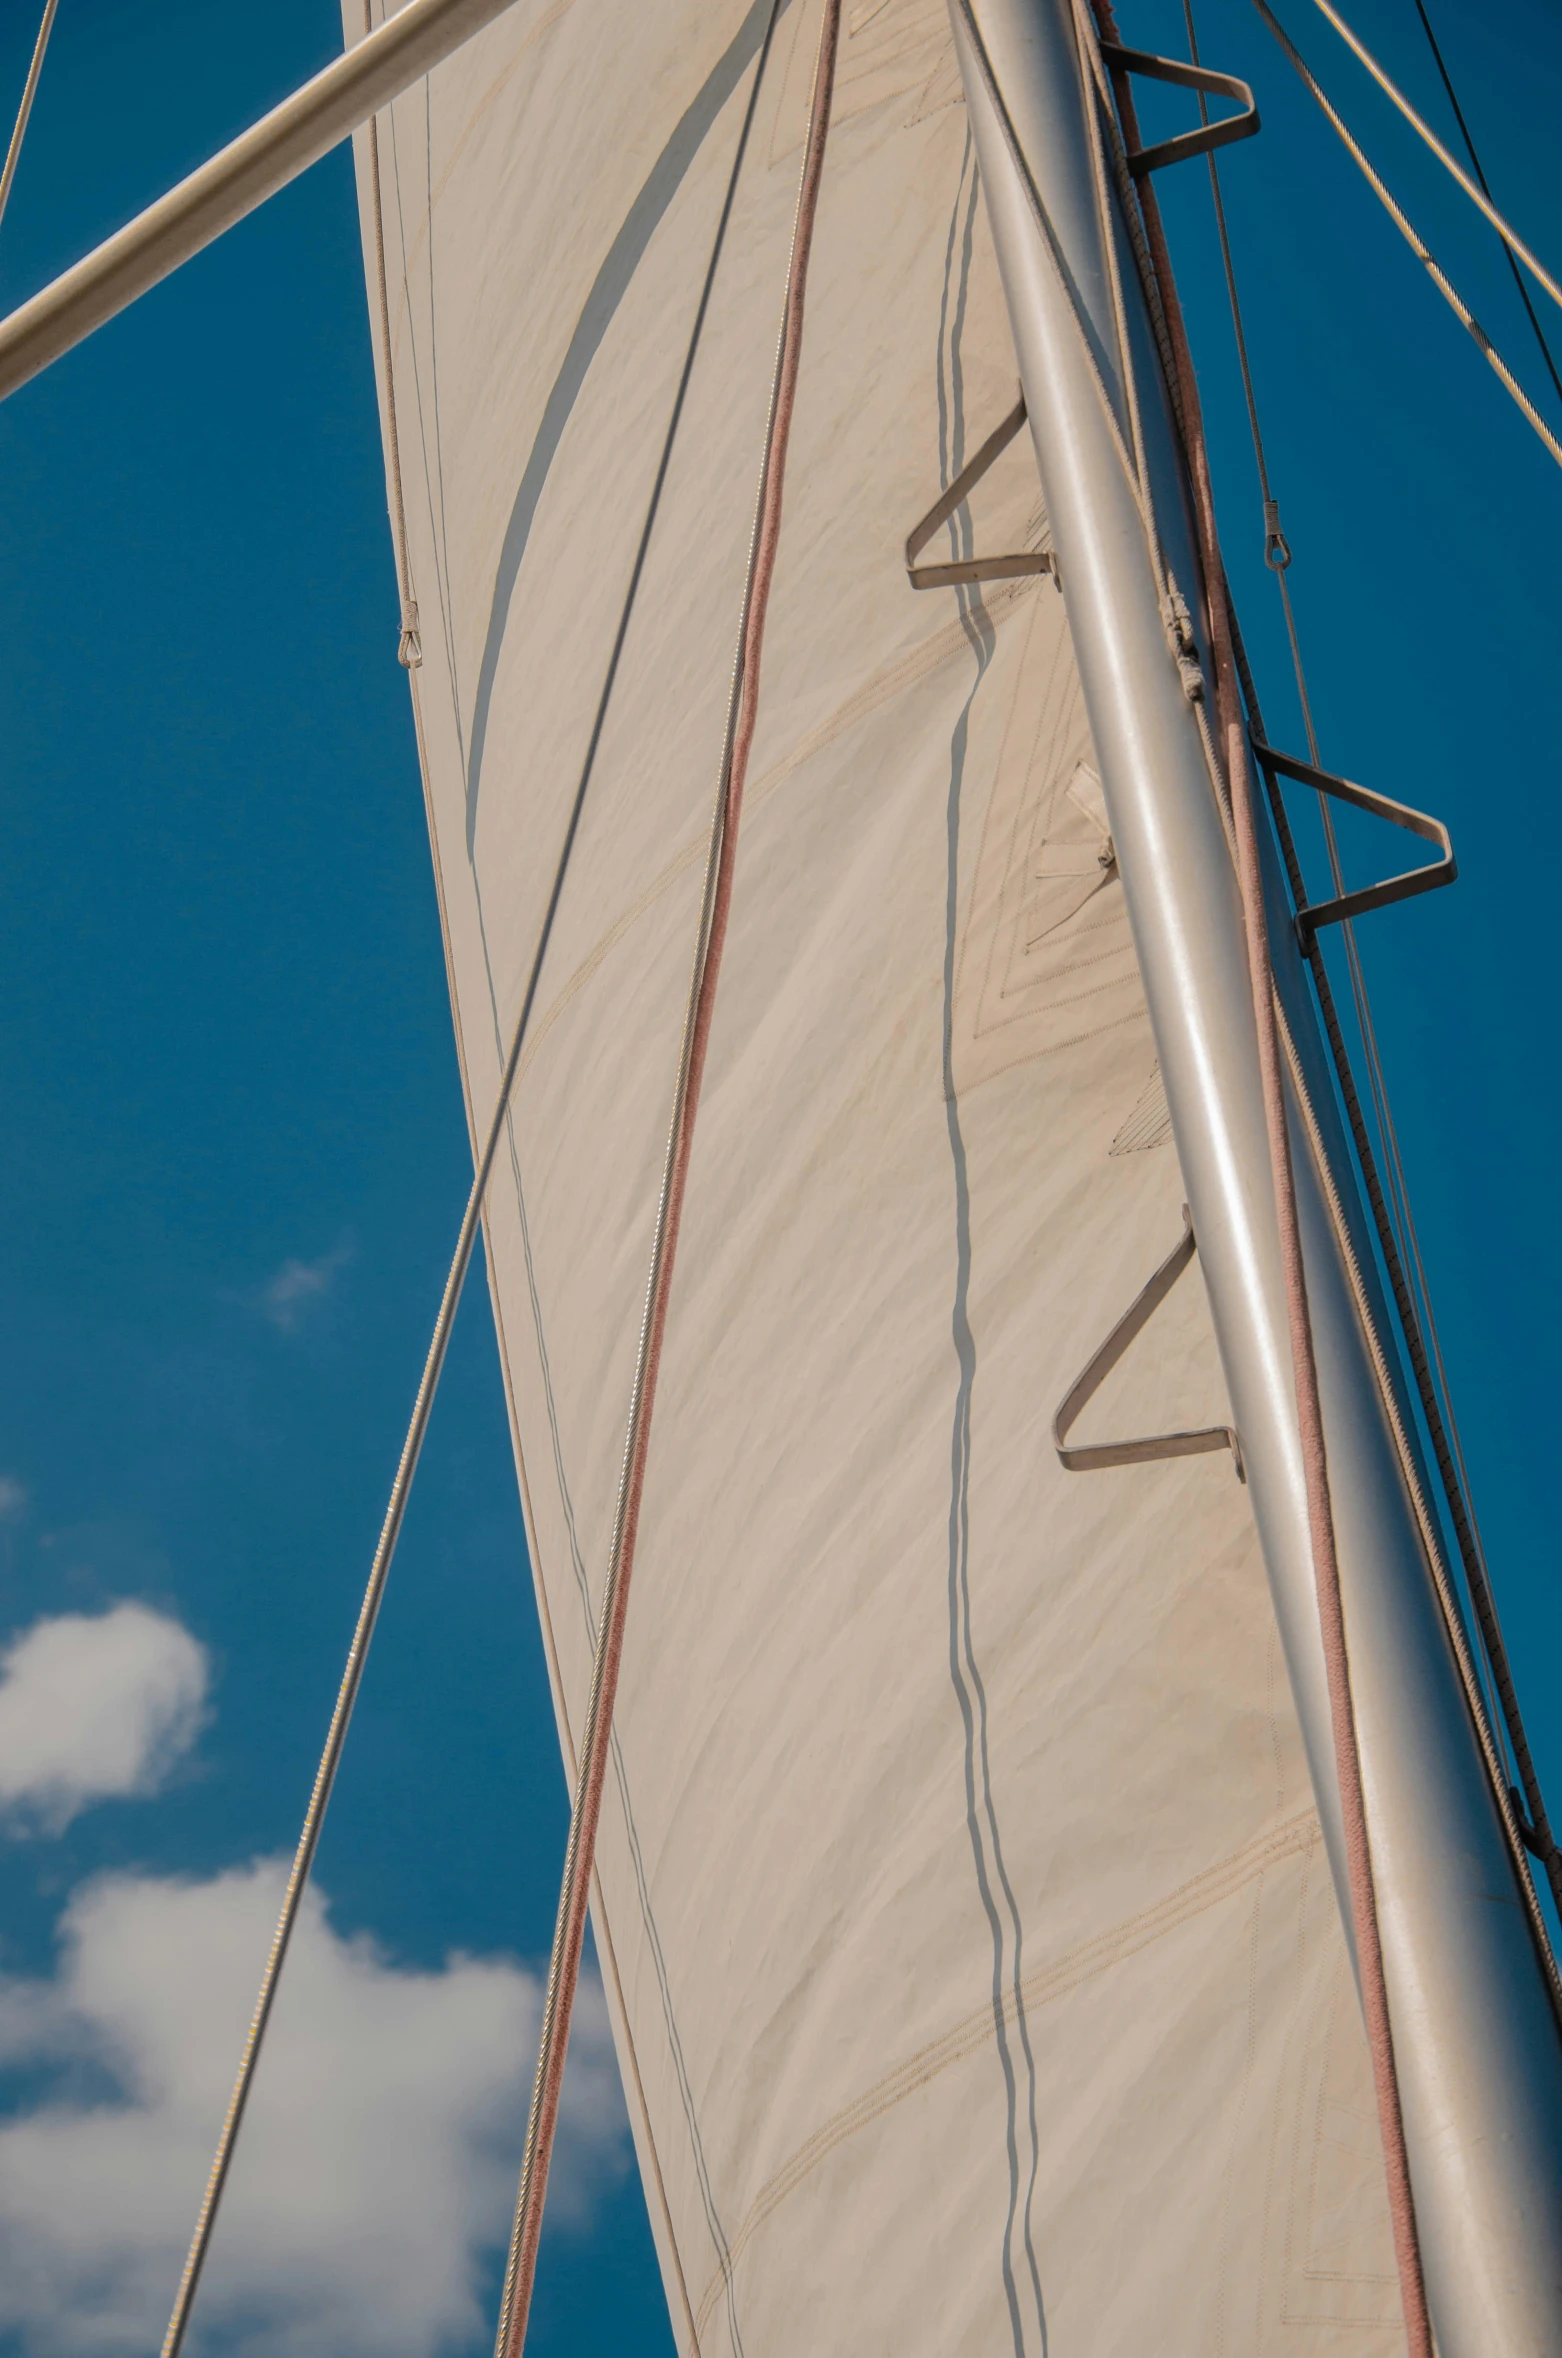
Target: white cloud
{"points": [[377, 2164], [13, 1499], [95, 1706], [287, 1298]]}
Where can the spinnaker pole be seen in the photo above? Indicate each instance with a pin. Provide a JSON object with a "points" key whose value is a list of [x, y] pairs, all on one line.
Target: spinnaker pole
{"points": [[1476, 2037], [241, 176]]}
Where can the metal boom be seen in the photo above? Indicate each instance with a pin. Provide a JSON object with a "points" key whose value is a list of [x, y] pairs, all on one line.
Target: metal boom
{"points": [[263, 159]]}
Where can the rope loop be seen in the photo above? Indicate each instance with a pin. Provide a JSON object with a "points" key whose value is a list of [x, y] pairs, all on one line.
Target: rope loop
{"points": [[409, 653], [1277, 549]]}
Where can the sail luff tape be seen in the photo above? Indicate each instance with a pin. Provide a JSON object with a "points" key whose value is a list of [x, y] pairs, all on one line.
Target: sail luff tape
{"points": [[232, 183]]}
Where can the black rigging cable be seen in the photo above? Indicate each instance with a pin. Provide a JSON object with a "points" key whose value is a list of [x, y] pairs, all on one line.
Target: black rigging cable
{"points": [[1476, 167]]}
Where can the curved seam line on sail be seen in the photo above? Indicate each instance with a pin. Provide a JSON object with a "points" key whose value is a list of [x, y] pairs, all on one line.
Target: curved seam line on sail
{"points": [[1314, 2034], [964, 1670], [1298, 1836], [608, 289], [904, 672], [1076, 1039], [1115, 955], [1222, 2268]]}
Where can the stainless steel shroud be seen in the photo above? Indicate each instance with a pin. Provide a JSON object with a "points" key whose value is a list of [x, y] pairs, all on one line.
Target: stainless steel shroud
{"points": [[1478, 2048]]}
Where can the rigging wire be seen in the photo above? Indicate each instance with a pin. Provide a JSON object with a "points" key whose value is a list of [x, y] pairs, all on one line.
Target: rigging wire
{"points": [[1479, 197], [1423, 254], [1393, 1217], [742, 713], [379, 1572], [1469, 142], [13, 153], [1309, 1405], [1278, 558]]}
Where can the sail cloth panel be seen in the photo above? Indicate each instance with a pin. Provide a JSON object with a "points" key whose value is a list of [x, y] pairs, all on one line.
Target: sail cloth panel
{"points": [[974, 1963]]}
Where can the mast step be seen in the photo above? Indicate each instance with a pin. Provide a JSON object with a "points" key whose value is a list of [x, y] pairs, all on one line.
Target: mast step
{"points": [[1007, 568], [1143, 160], [1314, 914], [1098, 1455]]}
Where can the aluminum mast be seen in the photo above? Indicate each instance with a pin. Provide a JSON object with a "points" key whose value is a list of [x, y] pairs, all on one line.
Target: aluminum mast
{"points": [[1477, 2044]]}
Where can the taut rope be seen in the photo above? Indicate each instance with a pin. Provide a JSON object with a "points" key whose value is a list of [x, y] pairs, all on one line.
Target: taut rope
{"points": [[585, 1817], [422, 1408], [13, 153], [1309, 1404]]}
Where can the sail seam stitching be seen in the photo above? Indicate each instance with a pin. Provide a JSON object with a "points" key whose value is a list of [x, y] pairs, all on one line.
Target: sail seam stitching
{"points": [[1055, 1980]]}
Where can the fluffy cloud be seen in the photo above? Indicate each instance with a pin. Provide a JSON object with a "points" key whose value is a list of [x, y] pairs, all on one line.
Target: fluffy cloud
{"points": [[287, 1298], [94, 1706], [376, 2169]]}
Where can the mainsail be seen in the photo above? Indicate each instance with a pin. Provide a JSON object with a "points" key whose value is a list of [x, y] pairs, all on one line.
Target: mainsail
{"points": [[1048, 1705], [975, 1965]]}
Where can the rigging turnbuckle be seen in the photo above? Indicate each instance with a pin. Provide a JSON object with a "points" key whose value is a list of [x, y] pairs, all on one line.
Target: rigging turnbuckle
{"points": [[1143, 160], [1097, 1455], [1314, 914], [1009, 568]]}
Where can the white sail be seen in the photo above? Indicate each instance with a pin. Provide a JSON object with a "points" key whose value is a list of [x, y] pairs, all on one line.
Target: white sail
{"points": [[975, 1966]]}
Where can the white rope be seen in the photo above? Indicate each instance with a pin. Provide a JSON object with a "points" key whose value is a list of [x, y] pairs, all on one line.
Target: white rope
{"points": [[13, 154], [1477, 196], [1412, 238]]}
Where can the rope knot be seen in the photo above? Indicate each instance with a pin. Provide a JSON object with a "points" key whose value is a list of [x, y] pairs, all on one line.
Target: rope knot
{"points": [[409, 653], [1180, 639]]}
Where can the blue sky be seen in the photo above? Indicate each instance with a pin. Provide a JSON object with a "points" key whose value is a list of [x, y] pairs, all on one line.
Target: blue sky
{"points": [[234, 1157], [227, 1054]]}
